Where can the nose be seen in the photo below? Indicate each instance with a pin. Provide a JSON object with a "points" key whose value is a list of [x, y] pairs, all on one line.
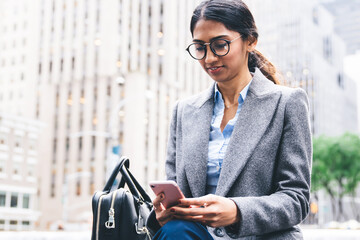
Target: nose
{"points": [[210, 56]]}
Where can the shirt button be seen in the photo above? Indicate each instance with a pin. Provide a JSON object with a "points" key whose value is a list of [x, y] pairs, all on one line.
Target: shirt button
{"points": [[219, 232], [217, 168]]}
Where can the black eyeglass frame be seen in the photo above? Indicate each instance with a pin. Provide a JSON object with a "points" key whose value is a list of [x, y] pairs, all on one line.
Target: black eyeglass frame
{"points": [[209, 43]]}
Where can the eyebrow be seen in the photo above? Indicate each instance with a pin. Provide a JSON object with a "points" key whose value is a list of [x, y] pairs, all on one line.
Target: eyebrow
{"points": [[217, 37]]}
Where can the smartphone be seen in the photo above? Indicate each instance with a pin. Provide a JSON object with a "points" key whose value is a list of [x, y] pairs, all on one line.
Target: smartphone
{"points": [[171, 191]]}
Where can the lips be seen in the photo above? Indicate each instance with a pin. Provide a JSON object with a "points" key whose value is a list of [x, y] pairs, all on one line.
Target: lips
{"points": [[214, 69]]}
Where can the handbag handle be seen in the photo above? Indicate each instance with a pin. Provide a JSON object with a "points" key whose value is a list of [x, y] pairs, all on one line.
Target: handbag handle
{"points": [[128, 178]]}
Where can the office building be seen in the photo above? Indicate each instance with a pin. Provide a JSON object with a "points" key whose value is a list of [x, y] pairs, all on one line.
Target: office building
{"points": [[304, 46], [346, 22], [109, 73], [19, 131], [18, 173]]}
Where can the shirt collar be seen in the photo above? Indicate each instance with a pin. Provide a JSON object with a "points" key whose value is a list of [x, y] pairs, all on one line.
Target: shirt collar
{"points": [[242, 95]]}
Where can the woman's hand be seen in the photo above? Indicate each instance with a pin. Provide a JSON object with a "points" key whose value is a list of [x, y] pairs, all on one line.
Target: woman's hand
{"points": [[212, 210], [162, 215]]}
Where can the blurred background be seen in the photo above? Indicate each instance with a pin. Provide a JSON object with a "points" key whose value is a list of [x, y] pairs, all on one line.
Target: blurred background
{"points": [[84, 81]]}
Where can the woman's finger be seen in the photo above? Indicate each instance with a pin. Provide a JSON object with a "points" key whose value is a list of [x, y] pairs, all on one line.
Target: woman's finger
{"points": [[157, 203], [201, 201]]}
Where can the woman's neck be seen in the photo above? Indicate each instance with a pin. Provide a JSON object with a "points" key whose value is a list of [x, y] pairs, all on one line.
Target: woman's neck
{"points": [[230, 90]]}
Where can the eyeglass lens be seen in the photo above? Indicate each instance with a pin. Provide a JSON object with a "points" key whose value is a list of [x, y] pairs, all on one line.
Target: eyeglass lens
{"points": [[198, 50]]}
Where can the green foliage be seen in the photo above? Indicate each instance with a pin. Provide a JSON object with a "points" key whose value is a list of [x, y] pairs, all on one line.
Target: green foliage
{"points": [[336, 163], [336, 167]]}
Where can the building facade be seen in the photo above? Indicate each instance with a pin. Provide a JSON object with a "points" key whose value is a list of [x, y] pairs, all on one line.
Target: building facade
{"points": [[103, 77], [304, 46], [346, 22], [109, 73], [19, 131], [18, 173]]}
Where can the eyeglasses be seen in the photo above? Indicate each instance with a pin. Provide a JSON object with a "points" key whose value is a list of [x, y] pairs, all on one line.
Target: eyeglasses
{"points": [[220, 47]]}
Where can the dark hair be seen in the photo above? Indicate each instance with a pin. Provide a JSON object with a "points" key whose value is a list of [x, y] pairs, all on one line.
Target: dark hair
{"points": [[236, 16]]}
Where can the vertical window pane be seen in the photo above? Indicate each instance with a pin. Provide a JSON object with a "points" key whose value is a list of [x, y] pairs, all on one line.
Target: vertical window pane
{"points": [[14, 200], [78, 188], [2, 224], [26, 201], [2, 199], [13, 224], [2, 166], [16, 169]]}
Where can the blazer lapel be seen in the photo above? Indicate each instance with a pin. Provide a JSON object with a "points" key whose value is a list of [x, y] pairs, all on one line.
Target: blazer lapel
{"points": [[196, 131], [252, 122]]}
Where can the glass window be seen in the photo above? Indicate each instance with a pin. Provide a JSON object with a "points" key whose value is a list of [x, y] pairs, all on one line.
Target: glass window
{"points": [[2, 199], [32, 144], [31, 171], [2, 224], [18, 142], [14, 200], [78, 187], [16, 168], [2, 166], [2, 139], [26, 201], [25, 223], [13, 224]]}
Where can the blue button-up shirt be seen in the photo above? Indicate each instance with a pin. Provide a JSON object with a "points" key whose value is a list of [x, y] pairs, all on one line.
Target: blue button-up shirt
{"points": [[218, 140]]}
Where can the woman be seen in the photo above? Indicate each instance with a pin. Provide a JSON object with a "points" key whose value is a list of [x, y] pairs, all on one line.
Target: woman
{"points": [[240, 151]]}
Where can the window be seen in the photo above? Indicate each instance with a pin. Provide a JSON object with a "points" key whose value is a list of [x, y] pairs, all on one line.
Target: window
{"points": [[80, 143], [73, 63], [32, 145], [2, 139], [2, 224], [26, 223], [340, 80], [18, 142], [2, 199], [52, 187], [2, 166], [62, 65], [31, 171], [327, 48], [16, 168], [13, 224], [26, 201], [315, 16], [67, 144], [78, 187], [14, 200]]}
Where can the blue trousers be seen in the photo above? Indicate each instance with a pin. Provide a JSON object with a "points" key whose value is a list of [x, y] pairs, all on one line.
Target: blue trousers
{"points": [[184, 230]]}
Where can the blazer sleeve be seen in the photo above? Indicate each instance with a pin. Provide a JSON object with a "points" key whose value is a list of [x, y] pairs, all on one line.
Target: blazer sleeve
{"points": [[289, 204], [170, 163]]}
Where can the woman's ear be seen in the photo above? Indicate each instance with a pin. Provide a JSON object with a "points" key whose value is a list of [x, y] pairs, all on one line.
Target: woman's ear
{"points": [[252, 42]]}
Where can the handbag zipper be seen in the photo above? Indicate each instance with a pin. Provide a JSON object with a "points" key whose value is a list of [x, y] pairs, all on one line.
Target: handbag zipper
{"points": [[111, 222], [98, 217]]}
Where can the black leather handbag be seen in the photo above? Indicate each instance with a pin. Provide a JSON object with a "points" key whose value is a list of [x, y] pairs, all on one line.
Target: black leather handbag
{"points": [[121, 213]]}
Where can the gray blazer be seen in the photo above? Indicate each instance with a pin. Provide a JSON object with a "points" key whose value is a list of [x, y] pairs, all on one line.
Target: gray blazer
{"points": [[266, 168]]}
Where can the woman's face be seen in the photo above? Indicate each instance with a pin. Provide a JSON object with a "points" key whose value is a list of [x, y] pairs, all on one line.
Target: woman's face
{"points": [[228, 67]]}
